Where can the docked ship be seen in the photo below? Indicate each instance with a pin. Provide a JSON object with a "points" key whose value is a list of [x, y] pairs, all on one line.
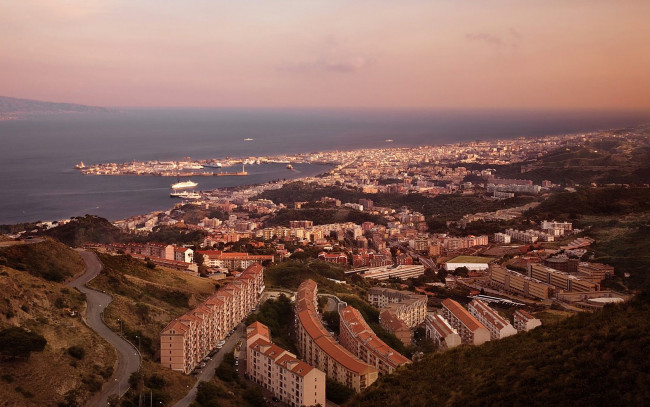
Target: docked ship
{"points": [[213, 164], [184, 185], [185, 195], [80, 166]]}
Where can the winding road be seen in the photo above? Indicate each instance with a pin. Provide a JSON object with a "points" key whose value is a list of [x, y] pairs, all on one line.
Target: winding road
{"points": [[128, 359]]}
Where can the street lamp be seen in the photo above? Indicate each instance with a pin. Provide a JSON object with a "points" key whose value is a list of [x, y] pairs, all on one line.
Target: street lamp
{"points": [[120, 321], [138, 336]]}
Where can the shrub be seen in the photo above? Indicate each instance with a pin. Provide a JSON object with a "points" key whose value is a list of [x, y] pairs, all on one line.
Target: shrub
{"points": [[77, 352]]}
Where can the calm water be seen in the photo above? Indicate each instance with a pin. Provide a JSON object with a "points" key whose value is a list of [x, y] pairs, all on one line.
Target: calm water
{"points": [[37, 156]]}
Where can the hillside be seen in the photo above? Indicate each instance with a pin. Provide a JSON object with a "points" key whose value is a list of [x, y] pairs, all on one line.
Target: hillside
{"points": [[144, 301], [86, 229], [75, 361], [589, 359], [14, 107], [50, 260]]}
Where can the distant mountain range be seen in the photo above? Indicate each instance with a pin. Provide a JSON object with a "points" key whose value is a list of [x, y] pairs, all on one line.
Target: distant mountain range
{"points": [[12, 108]]}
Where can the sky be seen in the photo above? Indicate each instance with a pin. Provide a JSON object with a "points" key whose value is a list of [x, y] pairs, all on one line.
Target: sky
{"points": [[496, 54]]}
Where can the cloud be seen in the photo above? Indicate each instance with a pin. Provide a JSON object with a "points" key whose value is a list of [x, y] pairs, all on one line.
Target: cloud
{"points": [[511, 39], [486, 38]]}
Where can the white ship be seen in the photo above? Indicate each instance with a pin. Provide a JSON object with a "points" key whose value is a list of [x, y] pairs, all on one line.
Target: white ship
{"points": [[185, 195], [213, 164], [184, 184], [248, 139], [80, 166]]}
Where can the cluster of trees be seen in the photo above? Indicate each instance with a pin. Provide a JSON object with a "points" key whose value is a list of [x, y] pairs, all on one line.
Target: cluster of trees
{"points": [[322, 216], [445, 207], [277, 314], [19, 343]]}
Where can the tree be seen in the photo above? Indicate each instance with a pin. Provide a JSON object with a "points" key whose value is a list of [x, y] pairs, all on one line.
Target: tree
{"points": [[198, 258], [16, 342]]}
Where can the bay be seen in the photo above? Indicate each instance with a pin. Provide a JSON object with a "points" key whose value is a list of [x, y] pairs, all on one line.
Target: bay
{"points": [[37, 155]]}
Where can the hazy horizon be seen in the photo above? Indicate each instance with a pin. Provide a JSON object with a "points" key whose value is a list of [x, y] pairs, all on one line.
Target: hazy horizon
{"points": [[501, 54]]}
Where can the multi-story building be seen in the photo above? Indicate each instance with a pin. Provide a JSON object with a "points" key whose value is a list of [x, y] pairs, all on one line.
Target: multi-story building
{"points": [[319, 349], [561, 281], [386, 272], [291, 380], [551, 225], [501, 238], [519, 284], [340, 258], [184, 254], [562, 264], [594, 272], [470, 330], [390, 322], [158, 250], [498, 326], [233, 260], [523, 321], [441, 332], [186, 340], [400, 310], [357, 337]]}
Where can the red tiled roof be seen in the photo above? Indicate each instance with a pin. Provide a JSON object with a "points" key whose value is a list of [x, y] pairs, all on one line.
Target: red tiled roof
{"points": [[461, 313]]}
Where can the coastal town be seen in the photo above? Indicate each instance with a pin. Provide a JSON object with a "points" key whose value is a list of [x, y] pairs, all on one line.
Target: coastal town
{"points": [[437, 277]]}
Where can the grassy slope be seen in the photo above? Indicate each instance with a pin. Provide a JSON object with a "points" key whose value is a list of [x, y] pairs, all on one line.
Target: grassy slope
{"points": [[50, 260], [37, 305], [589, 359], [146, 300]]}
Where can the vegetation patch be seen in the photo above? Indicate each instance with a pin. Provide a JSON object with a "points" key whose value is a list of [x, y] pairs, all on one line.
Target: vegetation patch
{"points": [[579, 361]]}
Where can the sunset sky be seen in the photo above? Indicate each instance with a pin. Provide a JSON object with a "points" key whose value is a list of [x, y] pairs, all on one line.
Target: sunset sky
{"points": [[357, 53]]}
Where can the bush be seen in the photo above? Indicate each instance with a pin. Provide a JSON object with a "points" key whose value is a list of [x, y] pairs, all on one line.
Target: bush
{"points": [[16, 342], [77, 352], [337, 392]]}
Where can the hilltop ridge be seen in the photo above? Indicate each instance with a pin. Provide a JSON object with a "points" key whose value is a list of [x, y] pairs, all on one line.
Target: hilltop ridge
{"points": [[13, 108]]}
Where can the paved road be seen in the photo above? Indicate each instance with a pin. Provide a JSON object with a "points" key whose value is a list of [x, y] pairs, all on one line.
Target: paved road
{"points": [[208, 371], [128, 360]]}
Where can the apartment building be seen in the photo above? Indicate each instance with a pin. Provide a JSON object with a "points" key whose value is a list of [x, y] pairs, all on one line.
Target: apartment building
{"points": [[319, 349], [186, 340], [502, 238], [519, 284], [471, 331], [441, 332], [561, 281], [390, 322], [232, 260], [292, 381], [184, 254], [594, 272], [158, 250], [498, 326], [357, 337], [523, 321], [386, 272], [400, 310]]}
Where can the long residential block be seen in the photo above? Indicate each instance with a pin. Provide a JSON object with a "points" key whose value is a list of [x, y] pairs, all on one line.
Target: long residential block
{"points": [[400, 310], [441, 332], [471, 331], [186, 340], [357, 337], [319, 349], [498, 326], [291, 380]]}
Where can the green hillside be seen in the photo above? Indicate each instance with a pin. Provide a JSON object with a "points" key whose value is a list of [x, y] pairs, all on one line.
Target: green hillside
{"points": [[586, 360]]}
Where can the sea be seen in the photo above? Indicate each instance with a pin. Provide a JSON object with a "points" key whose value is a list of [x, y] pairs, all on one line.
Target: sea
{"points": [[37, 154]]}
